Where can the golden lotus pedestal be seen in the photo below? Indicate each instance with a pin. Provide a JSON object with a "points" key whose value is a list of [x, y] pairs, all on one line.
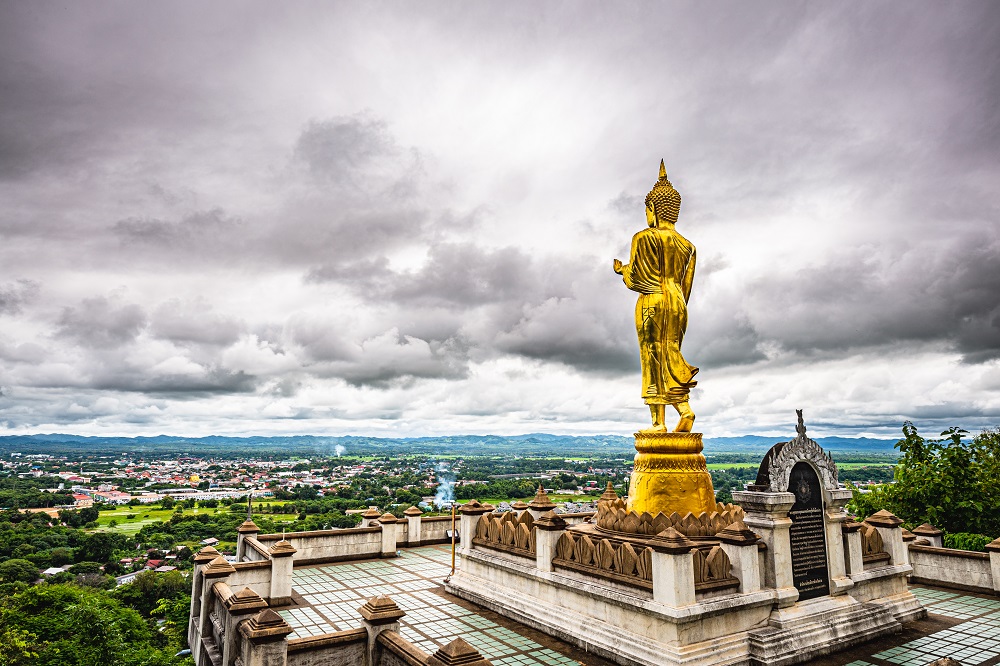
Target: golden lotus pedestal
{"points": [[670, 475]]}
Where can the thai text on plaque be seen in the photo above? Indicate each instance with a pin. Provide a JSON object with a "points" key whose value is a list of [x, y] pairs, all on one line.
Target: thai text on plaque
{"points": [[808, 533]]}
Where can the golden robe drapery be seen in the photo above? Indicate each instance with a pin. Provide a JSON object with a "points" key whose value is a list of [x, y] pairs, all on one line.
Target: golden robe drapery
{"points": [[661, 268]]}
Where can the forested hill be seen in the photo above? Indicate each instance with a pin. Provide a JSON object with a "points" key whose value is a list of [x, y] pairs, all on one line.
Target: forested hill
{"points": [[531, 444]]}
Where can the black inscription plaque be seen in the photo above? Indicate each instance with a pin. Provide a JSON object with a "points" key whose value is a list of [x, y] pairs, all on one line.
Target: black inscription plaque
{"points": [[808, 536]]}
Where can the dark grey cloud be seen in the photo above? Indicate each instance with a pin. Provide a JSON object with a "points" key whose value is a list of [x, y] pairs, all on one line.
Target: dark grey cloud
{"points": [[216, 380], [944, 292], [101, 322], [394, 359], [13, 296]]}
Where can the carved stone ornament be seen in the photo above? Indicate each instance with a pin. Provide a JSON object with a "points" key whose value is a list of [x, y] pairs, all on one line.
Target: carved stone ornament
{"points": [[780, 460]]}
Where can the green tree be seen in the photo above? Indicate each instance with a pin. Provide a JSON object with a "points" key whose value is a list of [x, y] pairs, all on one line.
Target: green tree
{"points": [[18, 570], [67, 625], [951, 483]]}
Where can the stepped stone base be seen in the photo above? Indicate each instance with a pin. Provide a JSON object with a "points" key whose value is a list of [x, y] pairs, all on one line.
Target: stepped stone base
{"points": [[813, 628]]}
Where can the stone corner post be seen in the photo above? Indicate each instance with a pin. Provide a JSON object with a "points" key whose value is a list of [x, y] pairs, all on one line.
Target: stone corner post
{"points": [[740, 545], [673, 568], [457, 652], [413, 526], [766, 513], [239, 605], [834, 518], [247, 529], [264, 641], [993, 548], [198, 585], [369, 517], [216, 571], [520, 507], [470, 513], [540, 504], [934, 536], [548, 530], [378, 614], [388, 523], [281, 572], [890, 529]]}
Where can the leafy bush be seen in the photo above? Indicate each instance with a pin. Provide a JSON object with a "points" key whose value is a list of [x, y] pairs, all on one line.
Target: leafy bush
{"points": [[952, 483], [966, 541]]}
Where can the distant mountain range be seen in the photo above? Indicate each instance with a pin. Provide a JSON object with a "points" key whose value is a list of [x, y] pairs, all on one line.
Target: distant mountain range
{"points": [[306, 445]]}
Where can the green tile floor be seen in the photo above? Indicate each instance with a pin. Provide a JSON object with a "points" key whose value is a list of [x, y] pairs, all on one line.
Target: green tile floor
{"points": [[334, 592], [974, 641]]}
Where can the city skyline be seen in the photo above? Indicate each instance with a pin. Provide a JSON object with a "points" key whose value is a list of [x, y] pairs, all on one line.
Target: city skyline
{"points": [[393, 220]]}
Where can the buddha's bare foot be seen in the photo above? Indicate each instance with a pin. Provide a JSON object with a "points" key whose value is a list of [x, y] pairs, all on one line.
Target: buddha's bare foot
{"points": [[687, 417], [654, 429]]}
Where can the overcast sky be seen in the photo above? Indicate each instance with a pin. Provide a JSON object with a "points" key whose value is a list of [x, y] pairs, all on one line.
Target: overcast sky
{"points": [[399, 219]]}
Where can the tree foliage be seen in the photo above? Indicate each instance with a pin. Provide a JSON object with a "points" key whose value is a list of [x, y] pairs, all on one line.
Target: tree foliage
{"points": [[952, 483], [67, 625]]}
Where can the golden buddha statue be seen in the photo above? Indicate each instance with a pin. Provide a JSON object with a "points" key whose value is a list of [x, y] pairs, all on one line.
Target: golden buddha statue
{"points": [[661, 268], [670, 473]]}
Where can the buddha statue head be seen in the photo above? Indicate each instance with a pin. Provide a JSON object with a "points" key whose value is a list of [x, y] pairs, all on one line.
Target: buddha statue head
{"points": [[663, 203]]}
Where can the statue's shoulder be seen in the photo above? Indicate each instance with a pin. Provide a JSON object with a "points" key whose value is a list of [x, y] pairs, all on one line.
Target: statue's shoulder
{"points": [[682, 242], [647, 234]]}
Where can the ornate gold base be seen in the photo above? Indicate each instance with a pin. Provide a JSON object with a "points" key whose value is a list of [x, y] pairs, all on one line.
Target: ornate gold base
{"points": [[613, 516], [670, 475]]}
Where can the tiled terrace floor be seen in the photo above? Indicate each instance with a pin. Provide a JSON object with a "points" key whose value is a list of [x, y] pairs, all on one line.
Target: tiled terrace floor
{"points": [[331, 595], [963, 626], [968, 629]]}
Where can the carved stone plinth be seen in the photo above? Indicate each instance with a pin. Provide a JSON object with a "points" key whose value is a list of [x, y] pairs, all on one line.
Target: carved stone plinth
{"points": [[670, 475]]}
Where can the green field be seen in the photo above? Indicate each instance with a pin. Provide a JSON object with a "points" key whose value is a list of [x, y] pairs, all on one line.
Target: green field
{"points": [[131, 519]]}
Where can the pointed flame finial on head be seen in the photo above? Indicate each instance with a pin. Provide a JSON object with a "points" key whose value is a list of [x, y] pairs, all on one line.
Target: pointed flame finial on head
{"points": [[663, 171]]}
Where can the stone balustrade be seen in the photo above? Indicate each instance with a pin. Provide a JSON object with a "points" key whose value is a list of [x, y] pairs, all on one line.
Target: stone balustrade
{"points": [[240, 628]]}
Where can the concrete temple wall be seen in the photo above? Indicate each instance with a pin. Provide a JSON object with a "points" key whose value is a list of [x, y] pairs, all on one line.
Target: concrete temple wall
{"points": [[960, 569], [343, 648], [331, 545]]}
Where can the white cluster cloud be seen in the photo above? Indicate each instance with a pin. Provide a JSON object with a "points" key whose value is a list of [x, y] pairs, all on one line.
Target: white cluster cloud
{"points": [[385, 220]]}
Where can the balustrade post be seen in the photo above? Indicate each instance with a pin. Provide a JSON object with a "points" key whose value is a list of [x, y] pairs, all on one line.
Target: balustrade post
{"points": [[214, 572], [239, 605], [281, 573], [471, 512], [540, 504], [198, 584], [388, 523], [934, 536], [369, 516], [673, 568], [264, 641], [247, 529], [378, 614], [993, 548], [740, 545], [548, 530], [414, 524], [889, 528]]}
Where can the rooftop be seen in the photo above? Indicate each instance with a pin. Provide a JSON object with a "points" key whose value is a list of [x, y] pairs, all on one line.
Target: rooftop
{"points": [[961, 625], [327, 599]]}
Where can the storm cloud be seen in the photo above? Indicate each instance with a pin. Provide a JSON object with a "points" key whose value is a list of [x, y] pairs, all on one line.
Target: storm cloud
{"points": [[244, 218]]}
